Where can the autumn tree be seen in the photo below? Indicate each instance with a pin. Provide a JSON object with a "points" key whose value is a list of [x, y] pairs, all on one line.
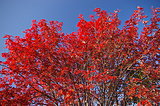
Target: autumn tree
{"points": [[102, 63]]}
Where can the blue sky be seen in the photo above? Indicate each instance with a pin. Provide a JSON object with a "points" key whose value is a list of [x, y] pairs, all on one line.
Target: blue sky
{"points": [[16, 15]]}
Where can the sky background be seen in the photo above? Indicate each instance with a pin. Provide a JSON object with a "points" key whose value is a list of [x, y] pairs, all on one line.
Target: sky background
{"points": [[16, 15]]}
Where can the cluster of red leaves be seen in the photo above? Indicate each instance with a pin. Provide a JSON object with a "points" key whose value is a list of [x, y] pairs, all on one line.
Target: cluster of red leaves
{"points": [[100, 63]]}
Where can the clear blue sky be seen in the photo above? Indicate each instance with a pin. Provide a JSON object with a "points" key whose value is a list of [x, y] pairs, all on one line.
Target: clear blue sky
{"points": [[16, 15]]}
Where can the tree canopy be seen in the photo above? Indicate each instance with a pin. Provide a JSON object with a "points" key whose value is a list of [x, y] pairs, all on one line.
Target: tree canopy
{"points": [[102, 63]]}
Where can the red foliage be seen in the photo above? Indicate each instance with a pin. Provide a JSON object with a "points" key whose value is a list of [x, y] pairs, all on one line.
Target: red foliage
{"points": [[98, 64]]}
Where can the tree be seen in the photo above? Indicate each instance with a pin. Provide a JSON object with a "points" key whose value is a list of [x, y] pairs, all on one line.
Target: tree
{"points": [[99, 64]]}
